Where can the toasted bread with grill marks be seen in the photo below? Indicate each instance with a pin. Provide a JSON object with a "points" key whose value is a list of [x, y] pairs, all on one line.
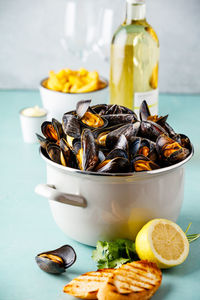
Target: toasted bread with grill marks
{"points": [[132, 281], [87, 285]]}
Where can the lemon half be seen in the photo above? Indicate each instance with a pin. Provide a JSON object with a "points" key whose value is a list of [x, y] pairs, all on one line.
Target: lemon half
{"points": [[163, 242]]}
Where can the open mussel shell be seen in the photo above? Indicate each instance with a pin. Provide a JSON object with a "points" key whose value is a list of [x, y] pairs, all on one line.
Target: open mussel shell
{"points": [[142, 163], [53, 151], [101, 134], [81, 107], [66, 155], [92, 120], [100, 109], [128, 130], [118, 109], [151, 130], [58, 128], [88, 117], [43, 142], [120, 119], [170, 150], [49, 131], [144, 111], [56, 261], [141, 146], [90, 150], [185, 141], [117, 153], [71, 126], [115, 165]]}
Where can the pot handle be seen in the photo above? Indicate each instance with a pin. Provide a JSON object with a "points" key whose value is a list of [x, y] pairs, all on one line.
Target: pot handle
{"points": [[49, 191]]}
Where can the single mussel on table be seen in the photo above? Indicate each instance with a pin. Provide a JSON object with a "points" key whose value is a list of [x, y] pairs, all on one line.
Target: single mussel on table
{"points": [[56, 261]]}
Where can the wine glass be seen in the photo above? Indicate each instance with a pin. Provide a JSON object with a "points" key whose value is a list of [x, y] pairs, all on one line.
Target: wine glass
{"points": [[81, 19]]}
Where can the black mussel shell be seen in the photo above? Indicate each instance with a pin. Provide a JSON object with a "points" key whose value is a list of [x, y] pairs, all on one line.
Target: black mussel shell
{"points": [[43, 142], [71, 126], [162, 122], [118, 109], [101, 156], [88, 117], [128, 130], [100, 109], [56, 261], [49, 131], [140, 146], [58, 127], [90, 151], [100, 134], [142, 163], [66, 155], [185, 141], [170, 150], [53, 151], [151, 130], [93, 121], [120, 119], [144, 111], [122, 143], [116, 153], [78, 152], [81, 107], [115, 165]]}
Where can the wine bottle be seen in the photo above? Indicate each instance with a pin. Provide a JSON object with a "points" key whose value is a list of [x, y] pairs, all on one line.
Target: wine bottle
{"points": [[134, 60]]}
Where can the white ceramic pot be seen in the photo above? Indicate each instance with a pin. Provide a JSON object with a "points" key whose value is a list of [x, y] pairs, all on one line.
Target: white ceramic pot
{"points": [[91, 206], [57, 103]]}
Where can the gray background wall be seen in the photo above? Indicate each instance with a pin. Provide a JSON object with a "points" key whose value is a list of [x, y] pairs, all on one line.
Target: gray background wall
{"points": [[30, 33]]}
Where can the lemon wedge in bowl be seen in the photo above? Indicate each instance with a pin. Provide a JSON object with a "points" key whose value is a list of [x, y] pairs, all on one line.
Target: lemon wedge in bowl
{"points": [[163, 242]]}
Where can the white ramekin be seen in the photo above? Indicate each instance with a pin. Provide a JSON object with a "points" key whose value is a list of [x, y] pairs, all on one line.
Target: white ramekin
{"points": [[90, 206], [57, 103], [31, 125]]}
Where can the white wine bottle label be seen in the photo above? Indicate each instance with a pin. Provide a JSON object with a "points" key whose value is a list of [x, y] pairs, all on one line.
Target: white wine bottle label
{"points": [[151, 98]]}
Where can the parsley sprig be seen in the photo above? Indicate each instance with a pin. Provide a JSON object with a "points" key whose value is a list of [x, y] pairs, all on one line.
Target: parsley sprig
{"points": [[191, 237]]}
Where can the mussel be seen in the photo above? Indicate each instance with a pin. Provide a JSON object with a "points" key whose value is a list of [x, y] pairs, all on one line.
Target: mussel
{"points": [[127, 130], [142, 146], [151, 130], [90, 151], [145, 115], [66, 155], [88, 117], [53, 151], [143, 163], [115, 165], [52, 130], [85, 150], [110, 139], [56, 261], [43, 142], [71, 126], [170, 150], [118, 109], [120, 119]]}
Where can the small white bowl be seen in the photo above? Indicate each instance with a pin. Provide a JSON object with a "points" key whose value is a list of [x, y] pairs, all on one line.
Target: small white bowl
{"points": [[31, 125], [57, 103]]}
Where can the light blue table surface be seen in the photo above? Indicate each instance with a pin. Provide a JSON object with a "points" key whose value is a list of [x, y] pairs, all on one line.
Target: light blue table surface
{"points": [[26, 224]]}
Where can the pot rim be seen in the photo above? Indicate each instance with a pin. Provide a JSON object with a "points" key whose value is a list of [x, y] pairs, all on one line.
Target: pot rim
{"points": [[91, 92], [130, 174]]}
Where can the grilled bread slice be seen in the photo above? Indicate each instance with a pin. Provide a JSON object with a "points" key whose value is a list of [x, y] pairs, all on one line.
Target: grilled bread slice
{"points": [[87, 285], [132, 281]]}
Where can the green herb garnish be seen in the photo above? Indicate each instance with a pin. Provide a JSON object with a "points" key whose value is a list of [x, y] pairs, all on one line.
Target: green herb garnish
{"points": [[114, 254], [191, 237]]}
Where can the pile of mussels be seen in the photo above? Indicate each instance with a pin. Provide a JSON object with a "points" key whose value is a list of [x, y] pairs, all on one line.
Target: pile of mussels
{"points": [[111, 139]]}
